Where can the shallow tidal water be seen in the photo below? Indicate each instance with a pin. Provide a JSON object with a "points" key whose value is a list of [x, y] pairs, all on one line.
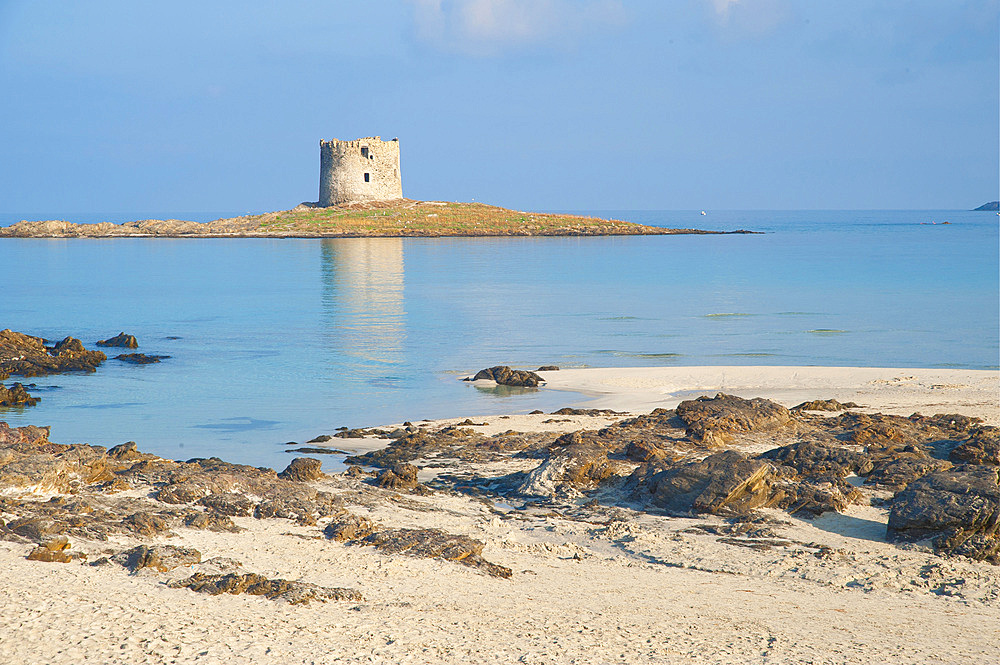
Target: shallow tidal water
{"points": [[281, 340]]}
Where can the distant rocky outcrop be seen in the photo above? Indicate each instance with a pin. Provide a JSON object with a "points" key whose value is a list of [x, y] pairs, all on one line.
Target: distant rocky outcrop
{"points": [[25, 355], [992, 205]]}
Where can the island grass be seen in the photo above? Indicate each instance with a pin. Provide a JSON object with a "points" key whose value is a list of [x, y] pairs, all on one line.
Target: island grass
{"points": [[431, 218]]}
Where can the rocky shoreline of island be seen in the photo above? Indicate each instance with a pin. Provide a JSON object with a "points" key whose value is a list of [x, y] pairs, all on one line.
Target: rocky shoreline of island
{"points": [[403, 218]]}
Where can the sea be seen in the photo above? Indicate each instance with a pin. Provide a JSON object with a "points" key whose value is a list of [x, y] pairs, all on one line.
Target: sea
{"points": [[274, 341]]}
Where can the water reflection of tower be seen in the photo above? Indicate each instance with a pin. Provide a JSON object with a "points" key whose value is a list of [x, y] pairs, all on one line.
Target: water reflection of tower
{"points": [[363, 300]]}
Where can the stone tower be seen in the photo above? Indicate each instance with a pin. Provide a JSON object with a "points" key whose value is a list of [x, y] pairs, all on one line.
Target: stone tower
{"points": [[362, 170]]}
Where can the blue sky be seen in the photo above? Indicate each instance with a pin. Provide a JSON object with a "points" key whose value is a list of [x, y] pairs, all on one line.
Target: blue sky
{"points": [[533, 104]]}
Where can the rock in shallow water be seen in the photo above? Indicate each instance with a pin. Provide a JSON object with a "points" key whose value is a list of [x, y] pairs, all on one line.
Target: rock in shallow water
{"points": [[24, 355], [139, 358], [505, 376], [121, 339], [16, 395]]}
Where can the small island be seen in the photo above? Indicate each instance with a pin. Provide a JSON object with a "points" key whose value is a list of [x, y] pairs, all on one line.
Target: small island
{"points": [[992, 205], [360, 196], [370, 219]]}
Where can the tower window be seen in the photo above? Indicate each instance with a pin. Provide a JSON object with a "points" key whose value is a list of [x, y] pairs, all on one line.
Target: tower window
{"points": [[364, 152], [368, 177]]}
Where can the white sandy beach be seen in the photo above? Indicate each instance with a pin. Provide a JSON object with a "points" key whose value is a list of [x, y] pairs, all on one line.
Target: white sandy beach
{"points": [[636, 589], [899, 391]]}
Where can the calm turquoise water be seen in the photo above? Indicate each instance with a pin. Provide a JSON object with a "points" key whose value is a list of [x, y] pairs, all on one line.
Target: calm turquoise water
{"points": [[281, 340]]}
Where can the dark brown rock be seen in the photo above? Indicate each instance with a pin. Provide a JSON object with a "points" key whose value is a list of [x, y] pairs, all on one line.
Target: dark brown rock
{"points": [[878, 432], [825, 405], [817, 460], [295, 501], [349, 527], [810, 499], [398, 476], [548, 368], [427, 543], [434, 543], [16, 395], [139, 358], [57, 544], [303, 469], [958, 509], [948, 421], [121, 340], [42, 553], [211, 521], [36, 529], [418, 444], [146, 524], [712, 419], [576, 460], [895, 473], [229, 504], [982, 447], [125, 451], [726, 483], [294, 593], [644, 451], [570, 411], [506, 376], [158, 557], [25, 355]]}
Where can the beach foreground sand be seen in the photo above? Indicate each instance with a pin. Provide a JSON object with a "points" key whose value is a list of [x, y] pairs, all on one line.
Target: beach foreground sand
{"points": [[597, 584]]}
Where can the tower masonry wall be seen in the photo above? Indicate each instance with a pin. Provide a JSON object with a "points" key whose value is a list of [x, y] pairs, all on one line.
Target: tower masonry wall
{"points": [[361, 170]]}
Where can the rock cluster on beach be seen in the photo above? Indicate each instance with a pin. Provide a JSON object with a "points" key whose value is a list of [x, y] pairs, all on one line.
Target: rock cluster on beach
{"points": [[104, 495], [724, 457], [682, 462]]}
